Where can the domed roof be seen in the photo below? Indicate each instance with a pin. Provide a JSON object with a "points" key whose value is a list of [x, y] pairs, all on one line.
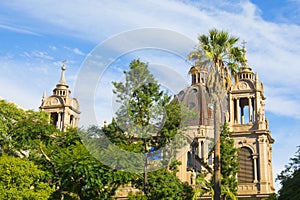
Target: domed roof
{"points": [[196, 99]]}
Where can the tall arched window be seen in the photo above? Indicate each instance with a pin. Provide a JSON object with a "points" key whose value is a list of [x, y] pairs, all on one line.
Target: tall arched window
{"points": [[246, 173]]}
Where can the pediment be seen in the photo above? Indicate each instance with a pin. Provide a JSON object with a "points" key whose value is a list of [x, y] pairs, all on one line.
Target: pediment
{"points": [[243, 86], [53, 101]]}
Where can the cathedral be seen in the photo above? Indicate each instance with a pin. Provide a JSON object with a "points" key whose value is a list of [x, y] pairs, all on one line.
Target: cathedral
{"points": [[244, 112], [245, 115]]}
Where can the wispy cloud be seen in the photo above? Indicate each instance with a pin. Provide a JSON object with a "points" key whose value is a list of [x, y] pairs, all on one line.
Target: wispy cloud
{"points": [[271, 47], [38, 54], [75, 50], [18, 29]]}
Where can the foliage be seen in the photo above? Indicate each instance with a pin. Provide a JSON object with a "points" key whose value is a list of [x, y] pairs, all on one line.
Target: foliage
{"points": [[290, 179], [218, 49], [273, 196], [21, 179], [164, 184], [22, 131], [63, 162], [147, 118], [143, 107], [229, 163], [137, 196], [82, 174]]}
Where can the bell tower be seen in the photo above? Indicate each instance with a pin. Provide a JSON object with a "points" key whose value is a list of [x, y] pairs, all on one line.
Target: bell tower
{"points": [[251, 134], [198, 74], [63, 109]]}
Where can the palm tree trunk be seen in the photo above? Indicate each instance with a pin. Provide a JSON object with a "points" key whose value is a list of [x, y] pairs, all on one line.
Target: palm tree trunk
{"points": [[217, 154]]}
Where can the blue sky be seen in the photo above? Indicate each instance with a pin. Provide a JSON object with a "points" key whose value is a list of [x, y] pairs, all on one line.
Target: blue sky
{"points": [[37, 35]]}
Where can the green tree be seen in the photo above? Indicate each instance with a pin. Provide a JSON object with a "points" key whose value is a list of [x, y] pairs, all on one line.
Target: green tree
{"points": [[62, 160], [21, 179], [142, 105], [229, 164], [147, 118], [273, 196], [164, 184], [21, 131], [289, 179], [219, 51]]}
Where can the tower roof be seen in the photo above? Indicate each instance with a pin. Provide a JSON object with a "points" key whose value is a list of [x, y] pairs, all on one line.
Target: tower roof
{"points": [[196, 99], [245, 70], [245, 66], [62, 88]]}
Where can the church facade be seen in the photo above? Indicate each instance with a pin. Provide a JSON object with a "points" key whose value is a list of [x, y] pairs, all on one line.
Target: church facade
{"points": [[246, 119], [63, 109]]}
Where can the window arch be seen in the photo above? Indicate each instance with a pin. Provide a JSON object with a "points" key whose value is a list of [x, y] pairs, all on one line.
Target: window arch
{"points": [[246, 173]]}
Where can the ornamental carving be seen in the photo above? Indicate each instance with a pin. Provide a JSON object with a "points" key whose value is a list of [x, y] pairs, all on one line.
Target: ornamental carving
{"points": [[243, 86]]}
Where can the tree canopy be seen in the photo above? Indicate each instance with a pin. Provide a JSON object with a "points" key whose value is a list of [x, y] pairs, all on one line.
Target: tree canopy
{"points": [[289, 179], [39, 162]]}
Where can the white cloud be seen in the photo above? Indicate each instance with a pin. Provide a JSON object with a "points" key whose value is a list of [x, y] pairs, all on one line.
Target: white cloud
{"points": [[271, 47], [38, 54], [77, 51], [53, 48]]}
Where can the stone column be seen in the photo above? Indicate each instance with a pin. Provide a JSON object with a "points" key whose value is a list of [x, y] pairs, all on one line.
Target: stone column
{"points": [[58, 123], [254, 157], [231, 109], [63, 121], [263, 163], [250, 109], [238, 109]]}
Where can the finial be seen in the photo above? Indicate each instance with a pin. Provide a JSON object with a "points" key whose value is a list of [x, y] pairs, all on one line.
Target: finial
{"points": [[63, 68], [244, 50], [44, 94]]}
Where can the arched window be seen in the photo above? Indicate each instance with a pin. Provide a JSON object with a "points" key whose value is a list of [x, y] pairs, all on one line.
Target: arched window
{"points": [[246, 173], [189, 160], [54, 118]]}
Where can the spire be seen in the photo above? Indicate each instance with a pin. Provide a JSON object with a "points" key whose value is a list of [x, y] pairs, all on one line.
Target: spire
{"points": [[245, 71], [62, 78], [44, 94], [245, 66], [62, 87]]}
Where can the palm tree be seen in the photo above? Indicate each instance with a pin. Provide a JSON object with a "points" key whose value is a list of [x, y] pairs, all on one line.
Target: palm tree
{"points": [[219, 51]]}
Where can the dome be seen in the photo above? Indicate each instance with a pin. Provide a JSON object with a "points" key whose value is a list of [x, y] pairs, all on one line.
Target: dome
{"points": [[196, 99]]}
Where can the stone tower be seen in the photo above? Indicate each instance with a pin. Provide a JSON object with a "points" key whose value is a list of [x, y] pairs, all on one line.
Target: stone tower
{"points": [[251, 134], [63, 109]]}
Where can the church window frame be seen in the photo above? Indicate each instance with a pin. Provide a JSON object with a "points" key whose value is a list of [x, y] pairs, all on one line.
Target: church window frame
{"points": [[246, 173]]}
